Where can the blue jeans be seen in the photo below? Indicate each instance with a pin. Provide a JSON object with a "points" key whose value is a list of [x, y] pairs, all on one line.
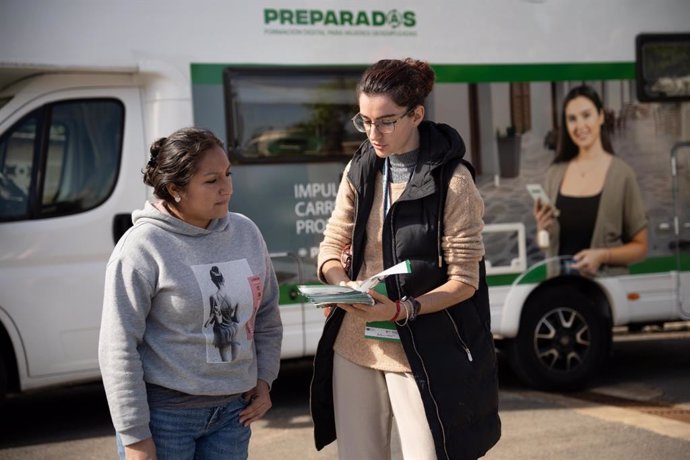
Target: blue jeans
{"points": [[208, 433]]}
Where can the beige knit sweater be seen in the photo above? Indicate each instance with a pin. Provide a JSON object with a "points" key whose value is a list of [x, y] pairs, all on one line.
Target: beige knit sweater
{"points": [[462, 250]]}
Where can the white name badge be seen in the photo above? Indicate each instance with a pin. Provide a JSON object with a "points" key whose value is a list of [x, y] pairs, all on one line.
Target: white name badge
{"points": [[381, 330]]}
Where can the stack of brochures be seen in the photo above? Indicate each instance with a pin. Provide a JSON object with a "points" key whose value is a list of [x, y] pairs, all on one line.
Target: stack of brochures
{"points": [[327, 294], [322, 295]]}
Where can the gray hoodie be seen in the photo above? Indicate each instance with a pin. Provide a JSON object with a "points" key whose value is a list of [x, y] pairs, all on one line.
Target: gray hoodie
{"points": [[190, 309]]}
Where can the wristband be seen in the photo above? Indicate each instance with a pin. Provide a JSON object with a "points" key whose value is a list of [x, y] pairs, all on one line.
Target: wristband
{"points": [[397, 310], [406, 306]]}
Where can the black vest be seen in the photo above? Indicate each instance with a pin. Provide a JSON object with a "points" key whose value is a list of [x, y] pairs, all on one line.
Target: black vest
{"points": [[461, 406], [413, 228]]}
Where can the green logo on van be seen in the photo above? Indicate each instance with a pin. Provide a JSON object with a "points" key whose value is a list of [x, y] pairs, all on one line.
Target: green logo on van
{"points": [[340, 18]]}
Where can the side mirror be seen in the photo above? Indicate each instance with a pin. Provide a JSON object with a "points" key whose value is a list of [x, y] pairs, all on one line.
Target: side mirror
{"points": [[121, 223], [662, 67]]}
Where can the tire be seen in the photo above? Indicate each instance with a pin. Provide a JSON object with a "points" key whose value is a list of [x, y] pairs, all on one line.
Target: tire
{"points": [[3, 379], [562, 341]]}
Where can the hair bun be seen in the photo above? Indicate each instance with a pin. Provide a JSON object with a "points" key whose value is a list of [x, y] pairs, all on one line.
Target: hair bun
{"points": [[155, 149], [425, 75], [157, 146]]}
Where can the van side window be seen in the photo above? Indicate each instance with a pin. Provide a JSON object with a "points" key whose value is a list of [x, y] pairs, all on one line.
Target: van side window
{"points": [[61, 159], [289, 115], [16, 161]]}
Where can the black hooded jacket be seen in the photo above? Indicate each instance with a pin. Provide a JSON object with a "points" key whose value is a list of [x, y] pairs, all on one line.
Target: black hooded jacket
{"points": [[451, 352]]}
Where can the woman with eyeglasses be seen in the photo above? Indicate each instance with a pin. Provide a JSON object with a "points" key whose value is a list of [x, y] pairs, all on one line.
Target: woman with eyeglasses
{"points": [[423, 354]]}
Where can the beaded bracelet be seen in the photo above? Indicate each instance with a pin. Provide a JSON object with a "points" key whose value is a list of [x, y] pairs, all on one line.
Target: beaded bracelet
{"points": [[415, 306]]}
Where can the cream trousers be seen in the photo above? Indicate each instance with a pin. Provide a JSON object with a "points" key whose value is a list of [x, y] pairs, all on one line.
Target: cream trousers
{"points": [[366, 400]]}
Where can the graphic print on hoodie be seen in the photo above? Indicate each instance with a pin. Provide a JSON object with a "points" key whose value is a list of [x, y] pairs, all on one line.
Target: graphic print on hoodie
{"points": [[231, 295]]}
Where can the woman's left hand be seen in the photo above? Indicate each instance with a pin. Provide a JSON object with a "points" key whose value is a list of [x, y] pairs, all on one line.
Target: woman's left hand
{"points": [[383, 310], [259, 399], [588, 261]]}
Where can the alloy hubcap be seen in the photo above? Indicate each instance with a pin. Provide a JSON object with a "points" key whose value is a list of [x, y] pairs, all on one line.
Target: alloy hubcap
{"points": [[562, 339]]}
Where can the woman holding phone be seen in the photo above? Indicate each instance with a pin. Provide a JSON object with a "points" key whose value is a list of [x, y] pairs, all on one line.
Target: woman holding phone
{"points": [[599, 217]]}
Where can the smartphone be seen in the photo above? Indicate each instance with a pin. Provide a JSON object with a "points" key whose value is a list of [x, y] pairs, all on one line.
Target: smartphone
{"points": [[537, 192]]}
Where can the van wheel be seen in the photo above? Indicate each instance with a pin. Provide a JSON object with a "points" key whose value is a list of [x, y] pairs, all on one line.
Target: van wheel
{"points": [[562, 340]]}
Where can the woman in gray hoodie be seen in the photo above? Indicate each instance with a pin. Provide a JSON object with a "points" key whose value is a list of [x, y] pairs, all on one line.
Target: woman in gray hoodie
{"points": [[170, 392]]}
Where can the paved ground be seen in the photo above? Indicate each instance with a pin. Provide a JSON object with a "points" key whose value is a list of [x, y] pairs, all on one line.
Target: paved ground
{"points": [[646, 368]]}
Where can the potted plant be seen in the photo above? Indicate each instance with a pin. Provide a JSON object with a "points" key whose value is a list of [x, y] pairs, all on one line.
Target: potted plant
{"points": [[509, 143]]}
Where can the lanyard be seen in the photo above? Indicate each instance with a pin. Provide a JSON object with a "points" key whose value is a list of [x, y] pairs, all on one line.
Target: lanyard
{"points": [[386, 191], [386, 186]]}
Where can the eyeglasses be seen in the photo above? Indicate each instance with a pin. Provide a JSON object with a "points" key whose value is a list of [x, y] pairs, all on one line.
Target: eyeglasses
{"points": [[384, 126]]}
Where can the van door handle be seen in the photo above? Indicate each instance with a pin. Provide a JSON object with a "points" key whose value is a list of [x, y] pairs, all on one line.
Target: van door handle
{"points": [[121, 223]]}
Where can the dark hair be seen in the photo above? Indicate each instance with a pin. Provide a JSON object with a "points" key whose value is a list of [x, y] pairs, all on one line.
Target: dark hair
{"points": [[216, 276], [174, 159], [406, 82], [567, 150]]}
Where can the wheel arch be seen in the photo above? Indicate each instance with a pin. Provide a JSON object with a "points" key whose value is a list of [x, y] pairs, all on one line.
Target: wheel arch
{"points": [[531, 364], [8, 359], [586, 286]]}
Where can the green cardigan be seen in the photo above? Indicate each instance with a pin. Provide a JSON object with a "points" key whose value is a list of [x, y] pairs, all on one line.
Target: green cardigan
{"points": [[621, 214]]}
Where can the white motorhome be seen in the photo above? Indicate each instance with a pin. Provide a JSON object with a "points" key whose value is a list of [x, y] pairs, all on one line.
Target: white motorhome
{"points": [[85, 87]]}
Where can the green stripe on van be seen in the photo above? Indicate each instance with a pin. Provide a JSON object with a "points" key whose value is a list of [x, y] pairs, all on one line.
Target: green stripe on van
{"points": [[486, 73], [646, 267], [286, 295], [660, 265], [212, 74], [207, 74]]}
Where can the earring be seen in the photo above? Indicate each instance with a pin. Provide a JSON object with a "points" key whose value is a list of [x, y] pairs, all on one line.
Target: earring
{"points": [[177, 198]]}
